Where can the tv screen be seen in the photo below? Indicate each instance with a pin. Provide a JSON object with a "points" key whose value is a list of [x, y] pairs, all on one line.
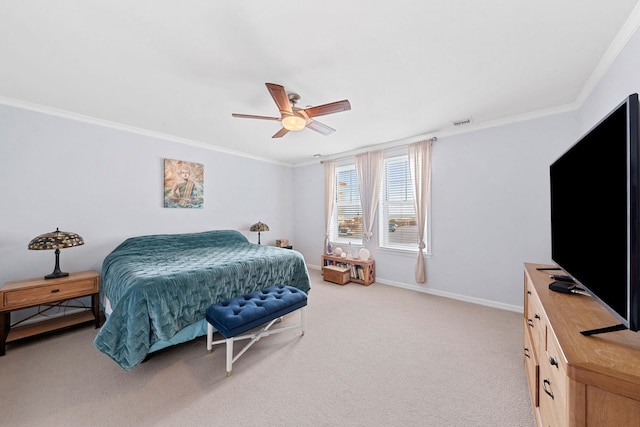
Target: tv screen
{"points": [[595, 224]]}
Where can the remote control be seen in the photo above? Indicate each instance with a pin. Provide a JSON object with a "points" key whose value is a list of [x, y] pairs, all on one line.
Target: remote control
{"points": [[561, 277]]}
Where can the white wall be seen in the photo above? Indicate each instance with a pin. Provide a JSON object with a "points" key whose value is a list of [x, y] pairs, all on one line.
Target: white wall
{"points": [[107, 185], [621, 80], [490, 211]]}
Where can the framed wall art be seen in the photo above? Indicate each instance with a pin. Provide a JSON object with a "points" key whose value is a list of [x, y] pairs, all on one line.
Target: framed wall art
{"points": [[183, 184]]}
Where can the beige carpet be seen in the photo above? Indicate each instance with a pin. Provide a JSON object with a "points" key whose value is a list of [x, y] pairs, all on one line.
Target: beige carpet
{"points": [[371, 356]]}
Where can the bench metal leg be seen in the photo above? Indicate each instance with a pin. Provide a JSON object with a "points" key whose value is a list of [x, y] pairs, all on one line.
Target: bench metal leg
{"points": [[229, 355], [209, 337], [253, 337]]}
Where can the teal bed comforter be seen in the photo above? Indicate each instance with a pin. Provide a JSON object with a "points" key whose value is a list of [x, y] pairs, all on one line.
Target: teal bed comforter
{"points": [[159, 285]]}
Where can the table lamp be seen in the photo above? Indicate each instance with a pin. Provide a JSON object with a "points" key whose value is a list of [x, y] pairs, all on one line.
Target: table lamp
{"points": [[56, 240], [259, 227]]}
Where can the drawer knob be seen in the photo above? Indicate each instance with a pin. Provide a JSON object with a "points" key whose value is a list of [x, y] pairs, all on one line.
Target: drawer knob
{"points": [[530, 322], [53, 291], [546, 383], [537, 316], [553, 361], [526, 352]]}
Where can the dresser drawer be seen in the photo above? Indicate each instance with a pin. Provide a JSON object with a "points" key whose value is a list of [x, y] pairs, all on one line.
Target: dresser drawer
{"points": [[531, 366], [26, 297], [535, 319], [553, 385]]}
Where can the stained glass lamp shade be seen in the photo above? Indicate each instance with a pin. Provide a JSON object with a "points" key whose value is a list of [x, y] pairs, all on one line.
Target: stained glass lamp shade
{"points": [[259, 227], [56, 240]]}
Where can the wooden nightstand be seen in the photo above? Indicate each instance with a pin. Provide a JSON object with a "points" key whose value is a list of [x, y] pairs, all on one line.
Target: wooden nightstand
{"points": [[27, 293]]}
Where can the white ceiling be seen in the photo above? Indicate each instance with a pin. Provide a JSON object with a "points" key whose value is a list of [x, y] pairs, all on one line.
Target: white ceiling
{"points": [[409, 68]]}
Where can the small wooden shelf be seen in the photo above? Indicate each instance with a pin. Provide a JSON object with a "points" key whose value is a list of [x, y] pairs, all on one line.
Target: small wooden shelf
{"points": [[49, 325], [362, 271]]}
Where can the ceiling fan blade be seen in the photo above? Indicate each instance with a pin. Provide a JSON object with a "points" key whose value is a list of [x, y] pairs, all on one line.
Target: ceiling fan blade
{"points": [[280, 97], [282, 132], [320, 127], [333, 107], [249, 116]]}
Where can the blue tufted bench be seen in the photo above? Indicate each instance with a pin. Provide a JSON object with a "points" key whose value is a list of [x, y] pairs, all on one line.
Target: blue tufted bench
{"points": [[241, 314]]}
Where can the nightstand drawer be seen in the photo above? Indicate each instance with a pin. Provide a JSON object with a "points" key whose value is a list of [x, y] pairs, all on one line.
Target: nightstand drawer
{"points": [[48, 293]]}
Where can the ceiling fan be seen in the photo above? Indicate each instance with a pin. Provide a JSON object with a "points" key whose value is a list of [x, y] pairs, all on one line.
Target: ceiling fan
{"points": [[294, 118]]}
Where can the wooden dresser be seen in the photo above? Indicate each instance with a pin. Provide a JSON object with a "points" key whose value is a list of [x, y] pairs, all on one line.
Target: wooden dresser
{"points": [[577, 380]]}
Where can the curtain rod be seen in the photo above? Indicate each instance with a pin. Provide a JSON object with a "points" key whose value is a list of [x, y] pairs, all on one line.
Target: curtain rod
{"points": [[377, 147]]}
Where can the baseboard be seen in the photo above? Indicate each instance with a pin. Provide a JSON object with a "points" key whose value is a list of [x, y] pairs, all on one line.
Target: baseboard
{"points": [[451, 295]]}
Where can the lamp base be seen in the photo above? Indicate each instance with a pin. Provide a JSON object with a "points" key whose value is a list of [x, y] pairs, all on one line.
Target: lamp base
{"points": [[56, 270], [56, 275]]}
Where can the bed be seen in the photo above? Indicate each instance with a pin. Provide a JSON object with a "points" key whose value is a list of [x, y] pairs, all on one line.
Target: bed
{"points": [[155, 289]]}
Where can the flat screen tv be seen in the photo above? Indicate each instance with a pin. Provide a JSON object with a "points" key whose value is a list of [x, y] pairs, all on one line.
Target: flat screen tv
{"points": [[595, 214]]}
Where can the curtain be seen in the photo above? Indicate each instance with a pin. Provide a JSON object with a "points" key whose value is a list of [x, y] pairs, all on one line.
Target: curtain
{"points": [[329, 197], [369, 168], [420, 162]]}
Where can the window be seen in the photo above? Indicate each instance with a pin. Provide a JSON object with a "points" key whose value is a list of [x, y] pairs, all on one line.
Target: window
{"points": [[397, 226], [346, 224]]}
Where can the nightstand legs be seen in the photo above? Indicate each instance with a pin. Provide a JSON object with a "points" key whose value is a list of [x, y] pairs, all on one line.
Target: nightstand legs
{"points": [[95, 307], [5, 321]]}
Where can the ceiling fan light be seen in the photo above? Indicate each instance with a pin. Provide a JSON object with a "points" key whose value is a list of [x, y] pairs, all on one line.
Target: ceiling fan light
{"points": [[293, 123]]}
